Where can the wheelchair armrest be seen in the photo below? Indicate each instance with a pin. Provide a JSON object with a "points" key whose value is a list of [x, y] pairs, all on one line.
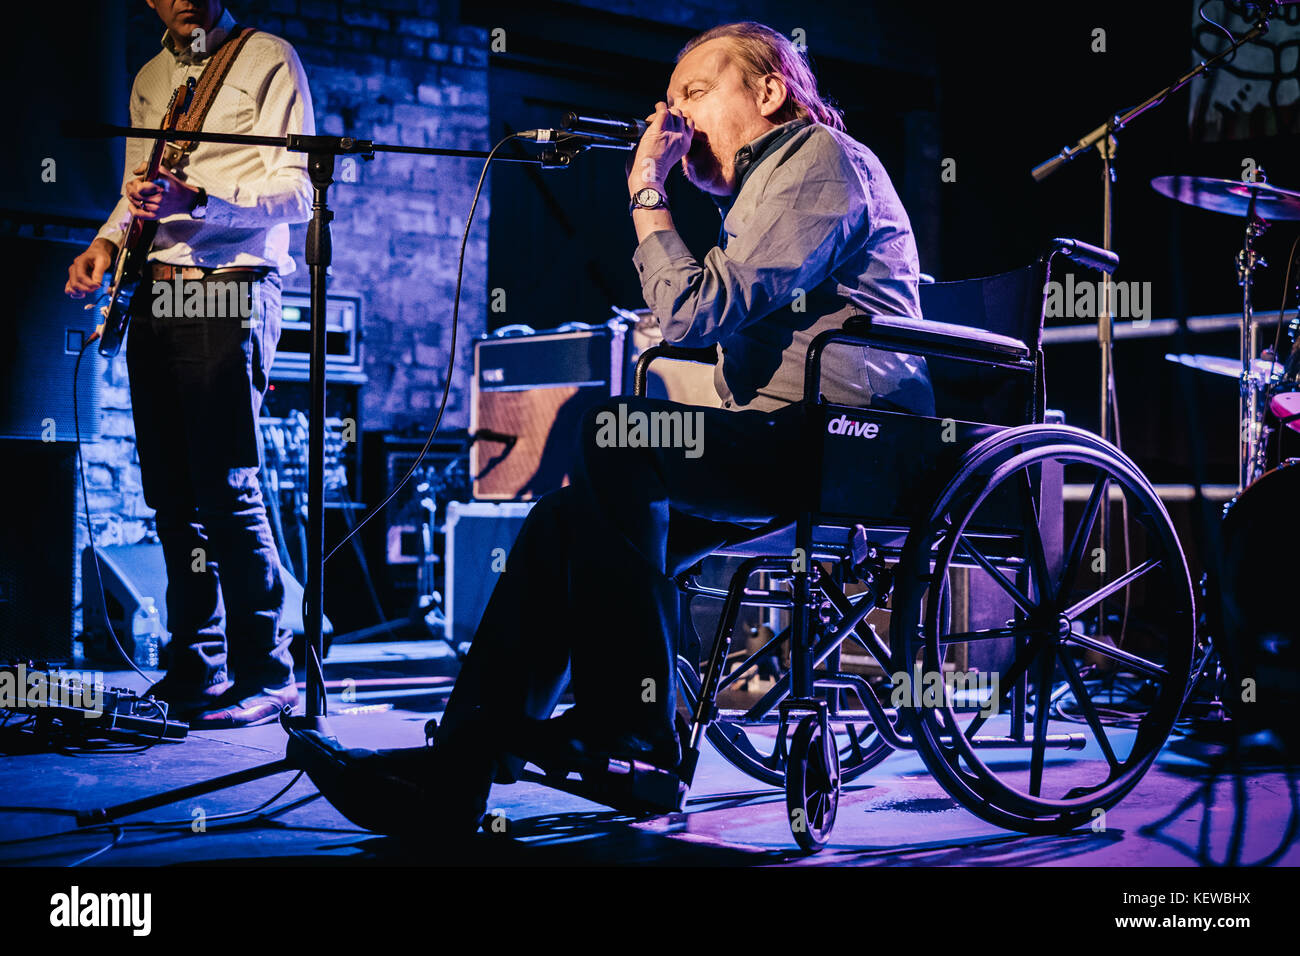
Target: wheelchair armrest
{"points": [[918, 337], [705, 355]]}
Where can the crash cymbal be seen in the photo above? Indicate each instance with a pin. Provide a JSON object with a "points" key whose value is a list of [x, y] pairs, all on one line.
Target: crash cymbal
{"points": [[1231, 196], [1231, 367]]}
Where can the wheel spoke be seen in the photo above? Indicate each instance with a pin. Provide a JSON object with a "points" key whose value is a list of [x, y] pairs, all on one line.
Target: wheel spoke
{"points": [[1096, 597], [1083, 534], [1034, 539], [984, 634], [1043, 693], [1085, 702], [1115, 653], [1010, 680], [1014, 592]]}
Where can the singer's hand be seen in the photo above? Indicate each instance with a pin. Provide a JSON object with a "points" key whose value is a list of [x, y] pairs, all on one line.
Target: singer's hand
{"points": [[666, 140]]}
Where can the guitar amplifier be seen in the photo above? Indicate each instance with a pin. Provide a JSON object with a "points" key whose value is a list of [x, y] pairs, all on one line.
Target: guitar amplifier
{"points": [[529, 393]]}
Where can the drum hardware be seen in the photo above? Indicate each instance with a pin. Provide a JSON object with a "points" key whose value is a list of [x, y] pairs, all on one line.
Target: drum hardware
{"points": [[1284, 396], [1259, 202]]}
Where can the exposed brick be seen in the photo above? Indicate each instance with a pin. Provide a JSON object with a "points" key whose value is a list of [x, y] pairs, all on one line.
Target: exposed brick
{"points": [[472, 35], [99, 477], [327, 10], [371, 19], [417, 27]]}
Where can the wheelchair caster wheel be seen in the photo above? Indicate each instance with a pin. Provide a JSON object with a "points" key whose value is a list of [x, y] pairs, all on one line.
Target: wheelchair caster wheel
{"points": [[812, 785]]}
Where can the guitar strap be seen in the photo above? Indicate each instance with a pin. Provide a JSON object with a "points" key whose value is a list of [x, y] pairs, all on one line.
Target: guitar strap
{"points": [[210, 80]]}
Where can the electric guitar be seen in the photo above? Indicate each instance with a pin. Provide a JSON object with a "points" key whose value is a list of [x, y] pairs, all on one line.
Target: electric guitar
{"points": [[114, 303]]}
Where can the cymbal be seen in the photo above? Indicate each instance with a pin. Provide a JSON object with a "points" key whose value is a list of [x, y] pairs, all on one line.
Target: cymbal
{"points": [[1231, 196], [1231, 367]]}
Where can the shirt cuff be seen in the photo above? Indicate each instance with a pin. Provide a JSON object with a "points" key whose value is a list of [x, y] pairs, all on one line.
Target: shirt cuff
{"points": [[658, 251], [114, 232], [223, 212]]}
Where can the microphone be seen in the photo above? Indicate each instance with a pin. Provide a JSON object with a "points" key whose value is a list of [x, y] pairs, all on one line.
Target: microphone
{"points": [[611, 127], [600, 132], [1087, 255]]}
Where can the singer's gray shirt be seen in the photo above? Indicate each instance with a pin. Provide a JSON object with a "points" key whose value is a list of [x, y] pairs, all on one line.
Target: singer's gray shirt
{"points": [[814, 234]]}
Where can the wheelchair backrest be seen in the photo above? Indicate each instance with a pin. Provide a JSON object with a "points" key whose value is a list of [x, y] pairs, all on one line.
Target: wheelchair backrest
{"points": [[1010, 303]]}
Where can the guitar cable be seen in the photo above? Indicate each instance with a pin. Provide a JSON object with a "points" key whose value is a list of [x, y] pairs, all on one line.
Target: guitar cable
{"points": [[90, 531]]}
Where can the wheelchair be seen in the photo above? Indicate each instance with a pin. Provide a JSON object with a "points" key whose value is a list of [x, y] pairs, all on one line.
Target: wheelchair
{"points": [[1037, 710]]}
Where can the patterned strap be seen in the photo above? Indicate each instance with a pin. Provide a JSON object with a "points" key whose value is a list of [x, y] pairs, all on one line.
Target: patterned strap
{"points": [[214, 74]]}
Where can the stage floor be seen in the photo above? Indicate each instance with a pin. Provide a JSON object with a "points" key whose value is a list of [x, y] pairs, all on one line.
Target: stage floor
{"points": [[1183, 813]]}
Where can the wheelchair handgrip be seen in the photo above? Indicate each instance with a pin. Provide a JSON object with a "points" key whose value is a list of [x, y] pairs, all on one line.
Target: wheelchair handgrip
{"points": [[1086, 254], [706, 355]]}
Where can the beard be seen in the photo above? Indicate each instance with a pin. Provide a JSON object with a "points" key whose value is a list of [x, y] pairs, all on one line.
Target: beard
{"points": [[703, 169]]}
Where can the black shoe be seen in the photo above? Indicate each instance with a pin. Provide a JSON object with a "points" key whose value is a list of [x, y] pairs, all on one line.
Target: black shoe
{"points": [[185, 701], [414, 791], [247, 707], [631, 772], [568, 742]]}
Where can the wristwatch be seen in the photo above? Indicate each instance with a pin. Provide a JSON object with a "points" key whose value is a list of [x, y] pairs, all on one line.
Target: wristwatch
{"points": [[200, 208], [648, 198]]}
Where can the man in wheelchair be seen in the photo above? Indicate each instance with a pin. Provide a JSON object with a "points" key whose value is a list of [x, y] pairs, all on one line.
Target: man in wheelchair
{"points": [[813, 233]]}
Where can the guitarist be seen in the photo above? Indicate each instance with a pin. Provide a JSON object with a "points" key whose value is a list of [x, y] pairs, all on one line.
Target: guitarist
{"points": [[197, 380]]}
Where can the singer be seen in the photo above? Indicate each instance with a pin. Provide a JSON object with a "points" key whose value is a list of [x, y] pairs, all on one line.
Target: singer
{"points": [[812, 233]]}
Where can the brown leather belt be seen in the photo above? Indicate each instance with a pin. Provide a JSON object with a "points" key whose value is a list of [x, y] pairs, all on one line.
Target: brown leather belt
{"points": [[162, 272]]}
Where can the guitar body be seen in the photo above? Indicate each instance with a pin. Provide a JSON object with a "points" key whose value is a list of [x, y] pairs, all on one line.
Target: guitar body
{"points": [[132, 258], [116, 312]]}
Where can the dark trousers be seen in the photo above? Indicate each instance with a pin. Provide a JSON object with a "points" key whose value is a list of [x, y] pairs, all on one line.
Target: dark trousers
{"points": [[587, 593], [197, 384]]}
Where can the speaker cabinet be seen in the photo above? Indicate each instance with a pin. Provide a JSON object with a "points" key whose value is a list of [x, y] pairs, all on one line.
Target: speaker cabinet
{"points": [[37, 546], [527, 400], [39, 342]]}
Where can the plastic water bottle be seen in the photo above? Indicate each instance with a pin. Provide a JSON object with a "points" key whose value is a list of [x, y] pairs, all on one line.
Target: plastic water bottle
{"points": [[147, 634]]}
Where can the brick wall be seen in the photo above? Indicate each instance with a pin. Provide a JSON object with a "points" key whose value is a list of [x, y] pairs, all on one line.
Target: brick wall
{"points": [[394, 71]]}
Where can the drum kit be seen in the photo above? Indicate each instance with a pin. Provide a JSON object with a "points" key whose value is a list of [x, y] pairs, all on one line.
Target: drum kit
{"points": [[1255, 633]]}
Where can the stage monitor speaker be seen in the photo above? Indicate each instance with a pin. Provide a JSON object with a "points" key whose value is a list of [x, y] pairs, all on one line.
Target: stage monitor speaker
{"points": [[37, 549], [39, 342]]}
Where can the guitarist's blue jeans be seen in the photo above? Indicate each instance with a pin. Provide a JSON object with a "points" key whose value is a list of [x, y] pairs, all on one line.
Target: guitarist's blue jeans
{"points": [[197, 384]]}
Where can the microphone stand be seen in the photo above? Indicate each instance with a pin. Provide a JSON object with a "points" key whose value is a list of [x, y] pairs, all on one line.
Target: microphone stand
{"points": [[318, 252], [1104, 141]]}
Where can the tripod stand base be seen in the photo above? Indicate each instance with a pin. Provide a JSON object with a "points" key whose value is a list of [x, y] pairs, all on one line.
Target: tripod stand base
{"points": [[86, 818]]}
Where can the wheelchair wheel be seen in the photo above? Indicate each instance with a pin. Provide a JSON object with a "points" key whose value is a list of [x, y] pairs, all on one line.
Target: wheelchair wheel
{"points": [[741, 740], [1087, 692], [812, 785]]}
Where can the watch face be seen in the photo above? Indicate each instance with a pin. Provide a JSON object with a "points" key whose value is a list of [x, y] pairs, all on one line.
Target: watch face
{"points": [[649, 197]]}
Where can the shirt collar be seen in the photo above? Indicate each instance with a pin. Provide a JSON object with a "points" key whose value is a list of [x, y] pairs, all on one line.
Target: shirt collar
{"points": [[216, 35], [751, 154]]}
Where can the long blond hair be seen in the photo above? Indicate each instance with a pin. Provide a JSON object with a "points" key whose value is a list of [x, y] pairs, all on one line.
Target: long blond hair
{"points": [[760, 50]]}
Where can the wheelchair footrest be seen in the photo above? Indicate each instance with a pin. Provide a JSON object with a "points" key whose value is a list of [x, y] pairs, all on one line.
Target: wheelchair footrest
{"points": [[627, 785]]}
